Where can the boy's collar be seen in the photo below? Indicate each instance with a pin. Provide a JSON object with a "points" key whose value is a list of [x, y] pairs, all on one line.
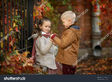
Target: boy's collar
{"points": [[74, 26]]}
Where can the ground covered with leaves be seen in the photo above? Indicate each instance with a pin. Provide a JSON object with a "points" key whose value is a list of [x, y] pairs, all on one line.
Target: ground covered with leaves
{"points": [[93, 65]]}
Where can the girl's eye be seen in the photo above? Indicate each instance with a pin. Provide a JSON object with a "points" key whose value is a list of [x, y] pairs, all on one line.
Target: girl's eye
{"points": [[48, 26]]}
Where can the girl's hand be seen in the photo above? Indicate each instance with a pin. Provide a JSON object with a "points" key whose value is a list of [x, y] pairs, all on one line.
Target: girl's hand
{"points": [[51, 40], [29, 62], [32, 58]]}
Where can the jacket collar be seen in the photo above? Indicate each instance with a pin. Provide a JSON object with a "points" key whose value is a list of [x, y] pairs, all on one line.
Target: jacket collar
{"points": [[74, 26], [45, 34]]}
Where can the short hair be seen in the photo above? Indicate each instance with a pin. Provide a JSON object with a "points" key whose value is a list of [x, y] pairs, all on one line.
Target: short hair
{"points": [[69, 15]]}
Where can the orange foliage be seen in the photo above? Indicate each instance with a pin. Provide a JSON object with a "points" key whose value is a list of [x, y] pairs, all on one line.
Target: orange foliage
{"points": [[95, 66]]}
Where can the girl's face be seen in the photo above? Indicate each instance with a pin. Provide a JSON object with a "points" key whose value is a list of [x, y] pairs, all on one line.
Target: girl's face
{"points": [[46, 26]]}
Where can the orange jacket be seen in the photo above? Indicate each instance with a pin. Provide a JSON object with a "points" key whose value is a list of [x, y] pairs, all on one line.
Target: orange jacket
{"points": [[68, 46]]}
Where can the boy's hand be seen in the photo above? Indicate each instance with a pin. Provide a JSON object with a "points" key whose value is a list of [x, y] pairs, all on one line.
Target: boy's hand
{"points": [[52, 35], [52, 41], [74, 64]]}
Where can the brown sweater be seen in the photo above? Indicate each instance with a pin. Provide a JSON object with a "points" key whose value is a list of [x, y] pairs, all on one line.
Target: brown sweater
{"points": [[68, 46]]}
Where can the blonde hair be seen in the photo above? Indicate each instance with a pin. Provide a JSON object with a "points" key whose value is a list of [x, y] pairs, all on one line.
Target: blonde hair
{"points": [[69, 15]]}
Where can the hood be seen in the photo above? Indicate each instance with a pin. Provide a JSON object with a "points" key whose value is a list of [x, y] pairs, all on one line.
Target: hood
{"points": [[76, 29]]}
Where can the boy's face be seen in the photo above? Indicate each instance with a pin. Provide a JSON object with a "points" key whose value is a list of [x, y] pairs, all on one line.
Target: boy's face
{"points": [[67, 22], [46, 26]]}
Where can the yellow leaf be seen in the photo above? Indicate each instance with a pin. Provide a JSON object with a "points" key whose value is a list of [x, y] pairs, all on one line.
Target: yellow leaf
{"points": [[1, 34], [11, 43], [10, 70], [93, 2], [8, 58], [17, 52], [99, 23], [25, 53], [37, 13], [2, 44], [5, 37], [14, 47], [34, 14], [10, 29], [14, 24]]}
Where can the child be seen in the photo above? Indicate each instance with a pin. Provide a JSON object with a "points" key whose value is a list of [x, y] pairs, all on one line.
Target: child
{"points": [[68, 43], [45, 50]]}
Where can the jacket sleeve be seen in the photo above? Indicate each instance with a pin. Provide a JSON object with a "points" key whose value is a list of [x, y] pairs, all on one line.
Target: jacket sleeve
{"points": [[65, 40], [35, 35], [42, 46]]}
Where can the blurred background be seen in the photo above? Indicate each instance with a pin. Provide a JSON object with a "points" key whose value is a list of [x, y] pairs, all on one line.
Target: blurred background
{"points": [[18, 19]]}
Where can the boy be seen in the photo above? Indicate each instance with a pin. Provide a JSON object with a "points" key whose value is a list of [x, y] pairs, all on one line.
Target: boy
{"points": [[68, 43]]}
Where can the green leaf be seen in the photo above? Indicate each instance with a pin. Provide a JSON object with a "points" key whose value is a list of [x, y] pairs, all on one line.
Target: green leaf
{"points": [[8, 58], [10, 70], [18, 16], [13, 53], [49, 5], [70, 7], [2, 58], [64, 2]]}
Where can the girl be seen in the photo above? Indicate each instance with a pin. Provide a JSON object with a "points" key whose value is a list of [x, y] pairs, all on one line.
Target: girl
{"points": [[45, 50]]}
